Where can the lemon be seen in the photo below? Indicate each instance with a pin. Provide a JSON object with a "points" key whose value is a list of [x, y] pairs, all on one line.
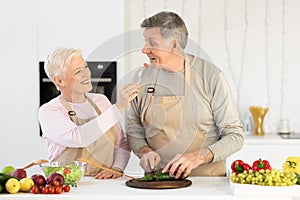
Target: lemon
{"points": [[26, 184], [12, 185]]}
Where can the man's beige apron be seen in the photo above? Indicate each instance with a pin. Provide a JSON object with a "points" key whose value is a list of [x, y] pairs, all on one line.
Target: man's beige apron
{"points": [[172, 129], [101, 151]]}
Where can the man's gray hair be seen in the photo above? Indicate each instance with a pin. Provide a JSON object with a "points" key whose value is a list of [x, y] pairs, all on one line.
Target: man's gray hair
{"points": [[170, 24]]}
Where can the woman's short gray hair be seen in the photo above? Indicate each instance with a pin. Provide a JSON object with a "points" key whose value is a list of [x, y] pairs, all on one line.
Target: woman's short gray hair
{"points": [[58, 60], [170, 24]]}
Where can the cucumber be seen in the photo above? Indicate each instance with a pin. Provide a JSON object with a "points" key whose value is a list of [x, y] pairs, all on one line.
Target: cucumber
{"points": [[147, 178], [5, 177], [158, 177], [298, 178], [165, 177]]}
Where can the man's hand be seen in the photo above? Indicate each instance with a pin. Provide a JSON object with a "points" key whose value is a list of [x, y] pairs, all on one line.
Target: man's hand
{"points": [[182, 164], [149, 159]]}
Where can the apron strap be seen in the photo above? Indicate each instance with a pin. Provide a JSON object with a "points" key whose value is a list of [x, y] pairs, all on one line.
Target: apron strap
{"points": [[187, 76], [71, 112], [94, 105], [150, 92]]}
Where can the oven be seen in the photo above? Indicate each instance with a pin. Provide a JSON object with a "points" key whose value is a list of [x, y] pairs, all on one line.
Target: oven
{"points": [[103, 78]]}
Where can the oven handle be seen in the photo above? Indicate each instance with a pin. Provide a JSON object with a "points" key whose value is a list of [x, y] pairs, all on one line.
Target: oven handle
{"points": [[93, 80], [101, 80]]}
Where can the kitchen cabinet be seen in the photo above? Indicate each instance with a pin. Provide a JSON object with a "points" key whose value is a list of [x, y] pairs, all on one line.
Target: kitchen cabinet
{"points": [[270, 147]]}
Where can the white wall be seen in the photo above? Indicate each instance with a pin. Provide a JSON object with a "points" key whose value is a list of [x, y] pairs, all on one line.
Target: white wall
{"points": [[31, 29], [266, 78], [20, 142]]}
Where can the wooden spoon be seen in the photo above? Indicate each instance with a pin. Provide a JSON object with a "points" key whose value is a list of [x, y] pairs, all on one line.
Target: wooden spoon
{"points": [[102, 167], [35, 163]]}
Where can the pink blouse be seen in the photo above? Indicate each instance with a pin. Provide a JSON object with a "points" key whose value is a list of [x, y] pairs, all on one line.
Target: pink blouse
{"points": [[60, 132]]}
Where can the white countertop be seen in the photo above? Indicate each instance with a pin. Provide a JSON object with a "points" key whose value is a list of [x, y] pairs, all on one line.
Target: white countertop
{"points": [[201, 188], [273, 139]]}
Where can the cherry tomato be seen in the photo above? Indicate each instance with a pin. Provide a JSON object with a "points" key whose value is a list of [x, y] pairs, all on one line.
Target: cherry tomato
{"points": [[35, 190], [66, 188], [58, 190], [56, 183], [67, 171], [51, 190], [41, 188], [45, 190]]}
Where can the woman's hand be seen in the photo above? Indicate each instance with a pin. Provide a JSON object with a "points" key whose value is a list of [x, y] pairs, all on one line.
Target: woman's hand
{"points": [[149, 159], [127, 94], [182, 164], [104, 174]]}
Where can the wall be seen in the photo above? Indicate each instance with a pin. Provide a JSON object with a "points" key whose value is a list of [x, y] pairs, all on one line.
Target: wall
{"points": [[254, 42], [29, 31], [20, 142]]}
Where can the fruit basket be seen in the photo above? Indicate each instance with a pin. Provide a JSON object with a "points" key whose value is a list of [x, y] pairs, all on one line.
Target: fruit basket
{"points": [[72, 171]]}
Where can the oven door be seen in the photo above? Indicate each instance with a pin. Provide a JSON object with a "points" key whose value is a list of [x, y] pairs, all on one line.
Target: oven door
{"points": [[103, 78]]}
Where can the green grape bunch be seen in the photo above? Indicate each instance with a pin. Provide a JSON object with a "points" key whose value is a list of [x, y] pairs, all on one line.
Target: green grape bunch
{"points": [[272, 177]]}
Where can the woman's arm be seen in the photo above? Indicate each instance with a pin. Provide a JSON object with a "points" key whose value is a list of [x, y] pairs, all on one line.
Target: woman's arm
{"points": [[58, 127]]}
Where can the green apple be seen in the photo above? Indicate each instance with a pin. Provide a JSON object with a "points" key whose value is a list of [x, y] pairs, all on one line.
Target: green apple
{"points": [[1, 188], [8, 170], [12, 185], [26, 184]]}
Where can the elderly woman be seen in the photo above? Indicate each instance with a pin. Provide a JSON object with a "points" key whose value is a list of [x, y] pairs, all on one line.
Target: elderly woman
{"points": [[184, 119], [82, 124]]}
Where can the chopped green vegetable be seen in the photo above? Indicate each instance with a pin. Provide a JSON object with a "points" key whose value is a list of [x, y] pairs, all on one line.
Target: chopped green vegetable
{"points": [[159, 176], [147, 178]]}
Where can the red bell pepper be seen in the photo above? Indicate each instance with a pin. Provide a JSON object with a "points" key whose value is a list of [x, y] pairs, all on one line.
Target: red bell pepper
{"points": [[261, 164], [238, 166]]}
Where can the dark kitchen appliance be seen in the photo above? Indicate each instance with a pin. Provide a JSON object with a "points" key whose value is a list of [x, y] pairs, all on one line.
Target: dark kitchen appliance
{"points": [[103, 78], [290, 136]]}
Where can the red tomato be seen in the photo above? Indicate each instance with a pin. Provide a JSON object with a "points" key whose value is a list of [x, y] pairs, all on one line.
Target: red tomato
{"points": [[58, 190], [51, 190], [67, 171], [66, 188], [35, 190], [56, 183], [45, 190]]}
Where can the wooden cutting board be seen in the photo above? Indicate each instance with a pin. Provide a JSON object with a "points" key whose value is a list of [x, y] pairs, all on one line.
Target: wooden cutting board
{"points": [[136, 183]]}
